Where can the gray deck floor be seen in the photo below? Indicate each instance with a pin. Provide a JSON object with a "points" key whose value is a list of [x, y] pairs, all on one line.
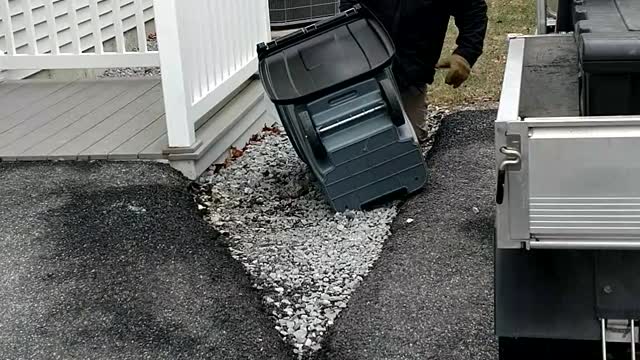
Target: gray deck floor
{"points": [[115, 119]]}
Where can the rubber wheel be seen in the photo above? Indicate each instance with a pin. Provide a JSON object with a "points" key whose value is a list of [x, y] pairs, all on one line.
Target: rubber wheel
{"points": [[393, 101], [283, 112], [294, 142], [312, 135]]}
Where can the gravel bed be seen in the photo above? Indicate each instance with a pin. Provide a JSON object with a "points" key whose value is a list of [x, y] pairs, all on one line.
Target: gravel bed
{"points": [[306, 258], [154, 71]]}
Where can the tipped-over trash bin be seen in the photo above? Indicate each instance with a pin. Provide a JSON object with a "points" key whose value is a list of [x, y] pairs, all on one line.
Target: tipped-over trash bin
{"points": [[338, 102]]}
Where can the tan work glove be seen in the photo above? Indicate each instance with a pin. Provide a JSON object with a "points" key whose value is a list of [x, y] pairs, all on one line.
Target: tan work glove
{"points": [[459, 70]]}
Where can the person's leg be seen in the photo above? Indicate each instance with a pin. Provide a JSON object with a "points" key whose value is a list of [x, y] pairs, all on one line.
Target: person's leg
{"points": [[415, 105]]}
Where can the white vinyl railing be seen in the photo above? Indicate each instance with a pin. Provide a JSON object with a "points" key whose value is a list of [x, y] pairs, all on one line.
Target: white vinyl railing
{"points": [[207, 47], [207, 50], [71, 34]]}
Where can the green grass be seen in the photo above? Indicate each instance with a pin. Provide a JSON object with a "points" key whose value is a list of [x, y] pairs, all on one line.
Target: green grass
{"points": [[505, 16]]}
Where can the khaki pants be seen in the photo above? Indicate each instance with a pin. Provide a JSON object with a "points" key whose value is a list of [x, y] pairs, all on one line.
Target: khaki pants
{"points": [[415, 105]]}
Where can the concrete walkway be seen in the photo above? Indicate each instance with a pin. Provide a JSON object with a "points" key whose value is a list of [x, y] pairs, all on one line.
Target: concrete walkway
{"points": [[111, 261], [430, 295]]}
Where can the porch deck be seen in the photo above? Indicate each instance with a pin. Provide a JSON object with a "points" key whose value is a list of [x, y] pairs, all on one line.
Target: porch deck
{"points": [[105, 119]]}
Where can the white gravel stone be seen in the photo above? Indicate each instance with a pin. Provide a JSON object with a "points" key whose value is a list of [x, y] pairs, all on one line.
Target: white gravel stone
{"points": [[305, 257]]}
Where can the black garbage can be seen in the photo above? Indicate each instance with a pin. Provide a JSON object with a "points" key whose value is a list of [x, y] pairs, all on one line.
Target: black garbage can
{"points": [[608, 37], [338, 102]]}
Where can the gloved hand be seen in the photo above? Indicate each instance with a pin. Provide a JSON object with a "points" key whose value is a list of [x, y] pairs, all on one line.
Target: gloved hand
{"points": [[459, 70]]}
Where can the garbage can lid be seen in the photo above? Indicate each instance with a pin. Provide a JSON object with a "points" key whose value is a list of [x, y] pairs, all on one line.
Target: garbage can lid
{"points": [[324, 57]]}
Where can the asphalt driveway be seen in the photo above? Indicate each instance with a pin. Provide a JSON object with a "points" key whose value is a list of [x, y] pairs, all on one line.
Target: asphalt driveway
{"points": [[112, 261]]}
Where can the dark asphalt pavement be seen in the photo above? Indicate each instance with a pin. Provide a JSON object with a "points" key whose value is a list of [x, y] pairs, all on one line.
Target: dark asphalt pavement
{"points": [[112, 261], [430, 295]]}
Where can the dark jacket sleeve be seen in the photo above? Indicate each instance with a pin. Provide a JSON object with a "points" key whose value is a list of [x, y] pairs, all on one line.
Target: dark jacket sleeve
{"points": [[471, 20], [347, 4]]}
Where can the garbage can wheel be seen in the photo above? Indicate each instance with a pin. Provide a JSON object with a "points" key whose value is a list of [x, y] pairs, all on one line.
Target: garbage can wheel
{"points": [[393, 101], [294, 143], [312, 135]]}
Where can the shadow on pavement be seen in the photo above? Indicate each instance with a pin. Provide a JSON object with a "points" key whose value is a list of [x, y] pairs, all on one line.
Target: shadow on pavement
{"points": [[108, 261]]}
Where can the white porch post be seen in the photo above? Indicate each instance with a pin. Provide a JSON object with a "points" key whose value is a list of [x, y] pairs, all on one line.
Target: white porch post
{"points": [[180, 125], [267, 20]]}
